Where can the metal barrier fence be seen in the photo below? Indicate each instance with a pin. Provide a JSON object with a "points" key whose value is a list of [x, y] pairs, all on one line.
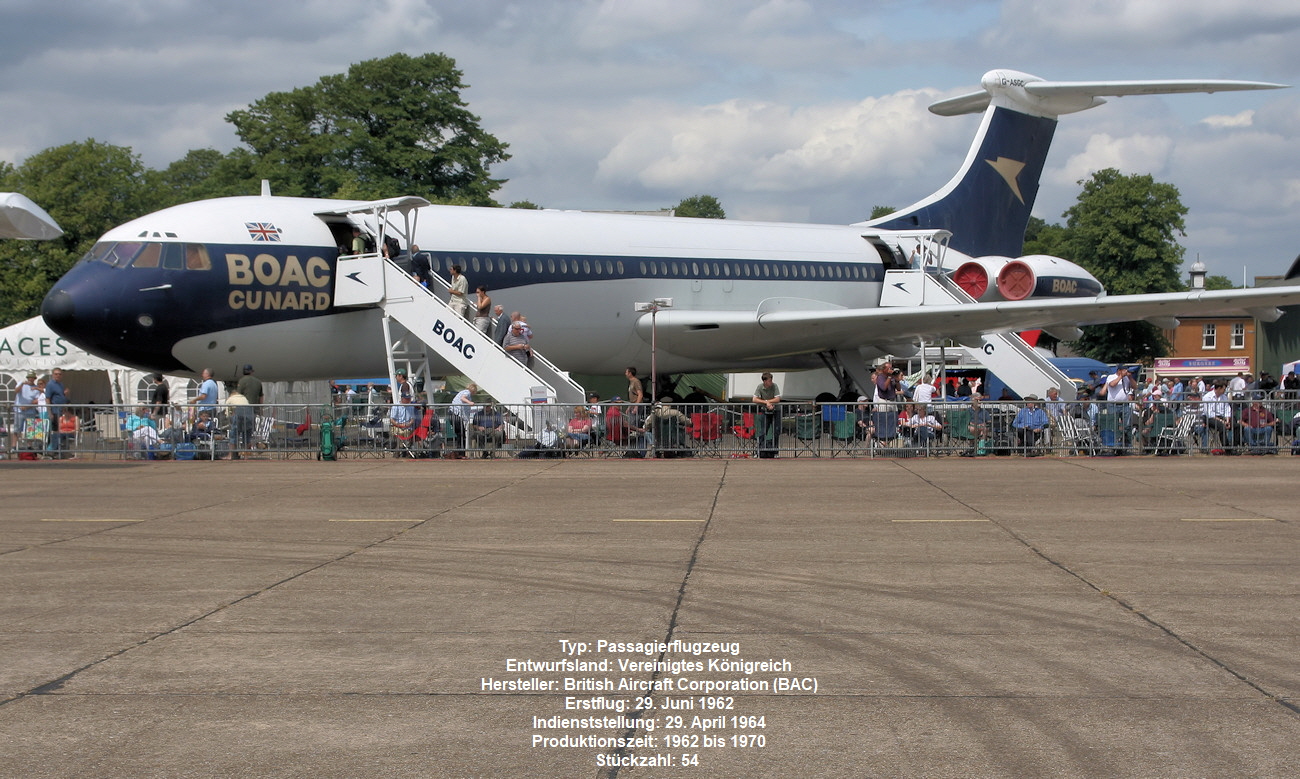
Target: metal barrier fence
{"points": [[944, 428]]}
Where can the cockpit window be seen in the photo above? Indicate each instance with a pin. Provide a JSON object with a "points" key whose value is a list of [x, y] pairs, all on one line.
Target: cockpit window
{"points": [[122, 253], [97, 252], [149, 256], [173, 256], [196, 257]]}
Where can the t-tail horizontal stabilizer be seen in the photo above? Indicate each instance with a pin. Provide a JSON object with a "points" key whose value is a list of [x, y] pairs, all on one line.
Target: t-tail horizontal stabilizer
{"points": [[1033, 95]]}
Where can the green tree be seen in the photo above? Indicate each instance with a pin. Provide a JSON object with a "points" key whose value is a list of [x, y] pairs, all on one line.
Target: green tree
{"points": [[1044, 238], [88, 188], [700, 207], [1219, 282], [203, 174], [526, 204], [879, 211], [1124, 230], [388, 126]]}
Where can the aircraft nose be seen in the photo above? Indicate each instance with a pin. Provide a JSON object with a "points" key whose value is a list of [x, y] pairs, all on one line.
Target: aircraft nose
{"points": [[77, 308], [58, 311]]}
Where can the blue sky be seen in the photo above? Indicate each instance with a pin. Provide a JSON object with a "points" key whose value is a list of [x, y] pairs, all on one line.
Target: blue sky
{"points": [[798, 110]]}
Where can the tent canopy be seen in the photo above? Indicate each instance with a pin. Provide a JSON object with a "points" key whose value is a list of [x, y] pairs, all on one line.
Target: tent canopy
{"points": [[31, 345]]}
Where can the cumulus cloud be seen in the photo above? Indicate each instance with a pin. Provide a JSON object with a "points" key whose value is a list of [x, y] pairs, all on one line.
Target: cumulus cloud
{"points": [[819, 159], [1243, 119], [1136, 154]]}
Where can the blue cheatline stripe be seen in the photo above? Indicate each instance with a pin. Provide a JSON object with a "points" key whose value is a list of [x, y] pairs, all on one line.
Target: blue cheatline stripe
{"points": [[502, 271]]}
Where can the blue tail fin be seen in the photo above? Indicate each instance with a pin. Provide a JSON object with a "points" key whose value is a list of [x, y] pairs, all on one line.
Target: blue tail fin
{"points": [[986, 206]]}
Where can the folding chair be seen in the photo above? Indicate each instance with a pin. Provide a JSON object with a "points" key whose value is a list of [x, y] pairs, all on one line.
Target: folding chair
{"points": [[299, 444], [670, 438], [886, 428], [146, 445], [1110, 426], [744, 433], [844, 434], [832, 413], [1151, 435], [706, 431], [1034, 444], [205, 444], [808, 432], [109, 426], [452, 448], [958, 429], [32, 437], [427, 439], [1173, 439], [262, 427], [403, 440], [1077, 435], [1002, 432], [617, 437]]}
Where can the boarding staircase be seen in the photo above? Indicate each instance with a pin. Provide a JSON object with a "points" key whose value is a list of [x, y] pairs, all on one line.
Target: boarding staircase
{"points": [[368, 280], [1018, 364]]}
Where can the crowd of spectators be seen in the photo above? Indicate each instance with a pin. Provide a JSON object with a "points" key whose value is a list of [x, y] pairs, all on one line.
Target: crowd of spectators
{"points": [[1114, 413]]}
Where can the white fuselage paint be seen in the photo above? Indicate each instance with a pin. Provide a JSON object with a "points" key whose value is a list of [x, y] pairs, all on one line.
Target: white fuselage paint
{"points": [[583, 326]]}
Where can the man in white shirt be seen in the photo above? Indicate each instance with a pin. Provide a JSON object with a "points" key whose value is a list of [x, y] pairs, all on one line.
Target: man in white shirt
{"points": [[1218, 416], [1119, 390], [1119, 385], [923, 392], [462, 410]]}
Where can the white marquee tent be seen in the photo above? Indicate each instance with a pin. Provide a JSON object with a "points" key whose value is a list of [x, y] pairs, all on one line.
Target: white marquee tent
{"points": [[31, 346]]}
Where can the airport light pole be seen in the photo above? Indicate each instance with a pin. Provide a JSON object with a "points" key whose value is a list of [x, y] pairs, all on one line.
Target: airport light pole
{"points": [[654, 307]]}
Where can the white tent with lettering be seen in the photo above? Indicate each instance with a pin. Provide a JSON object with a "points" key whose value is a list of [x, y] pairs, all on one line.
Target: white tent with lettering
{"points": [[32, 347]]}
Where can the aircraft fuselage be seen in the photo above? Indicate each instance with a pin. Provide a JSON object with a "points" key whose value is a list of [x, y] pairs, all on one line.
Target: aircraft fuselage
{"points": [[250, 280]]}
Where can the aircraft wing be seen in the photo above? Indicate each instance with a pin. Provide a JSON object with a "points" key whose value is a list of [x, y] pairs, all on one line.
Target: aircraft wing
{"points": [[810, 327], [21, 218]]}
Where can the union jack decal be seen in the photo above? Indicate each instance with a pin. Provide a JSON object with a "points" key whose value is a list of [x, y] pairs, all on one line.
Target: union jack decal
{"points": [[262, 231]]}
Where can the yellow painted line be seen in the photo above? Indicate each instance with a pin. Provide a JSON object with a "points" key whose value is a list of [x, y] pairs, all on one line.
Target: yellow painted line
{"points": [[1238, 519], [92, 520], [374, 520], [939, 520], [656, 520]]}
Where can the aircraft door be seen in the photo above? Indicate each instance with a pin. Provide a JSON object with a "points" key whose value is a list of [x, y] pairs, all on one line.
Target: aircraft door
{"points": [[890, 257]]}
